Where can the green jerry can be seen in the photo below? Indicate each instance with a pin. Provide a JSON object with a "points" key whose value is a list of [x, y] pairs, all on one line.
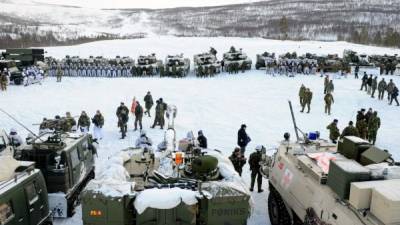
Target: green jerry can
{"points": [[342, 173]]}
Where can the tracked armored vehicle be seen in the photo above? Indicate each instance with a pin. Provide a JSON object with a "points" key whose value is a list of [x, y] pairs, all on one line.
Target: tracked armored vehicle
{"points": [[23, 194], [177, 66], [352, 60], [236, 59], [148, 65], [67, 163], [141, 186], [264, 59], [312, 181], [206, 64]]}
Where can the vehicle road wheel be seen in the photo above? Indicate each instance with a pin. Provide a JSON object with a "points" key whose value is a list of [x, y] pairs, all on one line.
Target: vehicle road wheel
{"points": [[278, 214]]}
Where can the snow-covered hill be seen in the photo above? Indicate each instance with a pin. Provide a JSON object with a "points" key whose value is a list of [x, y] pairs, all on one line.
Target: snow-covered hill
{"points": [[30, 22]]}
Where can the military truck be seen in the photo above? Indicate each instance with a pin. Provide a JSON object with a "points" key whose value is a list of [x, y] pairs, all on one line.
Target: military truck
{"points": [[352, 60], [236, 58], [206, 64], [141, 186], [23, 194], [177, 66], [313, 181], [264, 59], [148, 65], [67, 163], [5, 146], [331, 63], [15, 74]]}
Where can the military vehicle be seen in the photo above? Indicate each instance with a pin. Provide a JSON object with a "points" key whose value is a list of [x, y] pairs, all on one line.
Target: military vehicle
{"points": [[67, 163], [352, 60], [141, 186], [23, 194], [236, 58], [148, 65], [313, 181], [209, 64], [264, 59], [331, 63], [26, 56], [5, 145], [177, 66], [15, 74]]}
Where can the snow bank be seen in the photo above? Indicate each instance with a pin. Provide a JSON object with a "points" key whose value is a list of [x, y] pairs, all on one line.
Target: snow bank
{"points": [[164, 198]]}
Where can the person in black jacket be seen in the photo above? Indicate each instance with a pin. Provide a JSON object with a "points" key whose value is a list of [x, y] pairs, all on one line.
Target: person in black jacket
{"points": [[364, 82], [395, 93], [202, 139], [254, 162], [123, 117], [243, 138]]}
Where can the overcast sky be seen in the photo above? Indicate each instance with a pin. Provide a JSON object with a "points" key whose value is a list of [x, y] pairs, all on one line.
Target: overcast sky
{"points": [[143, 3]]}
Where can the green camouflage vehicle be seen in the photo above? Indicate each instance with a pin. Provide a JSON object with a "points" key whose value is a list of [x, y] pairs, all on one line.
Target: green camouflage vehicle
{"points": [[139, 186], [15, 74], [23, 194], [67, 163]]}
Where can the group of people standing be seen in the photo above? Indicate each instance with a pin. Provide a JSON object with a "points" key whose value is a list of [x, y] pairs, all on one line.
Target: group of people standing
{"points": [[371, 85]]}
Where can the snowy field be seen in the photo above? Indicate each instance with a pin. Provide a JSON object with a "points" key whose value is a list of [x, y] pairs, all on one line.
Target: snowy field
{"points": [[217, 105]]}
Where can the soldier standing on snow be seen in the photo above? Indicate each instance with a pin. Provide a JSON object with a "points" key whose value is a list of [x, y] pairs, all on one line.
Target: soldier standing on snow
{"points": [[330, 87], [123, 117], [138, 115], [243, 138], [369, 84], [4, 80], [364, 81], [389, 89], [59, 73], [381, 89], [98, 121], [334, 132], [374, 86], [254, 162], [238, 160], [362, 128], [373, 125], [328, 102], [148, 100], [395, 93], [302, 93], [350, 130], [307, 100], [84, 122], [326, 82]]}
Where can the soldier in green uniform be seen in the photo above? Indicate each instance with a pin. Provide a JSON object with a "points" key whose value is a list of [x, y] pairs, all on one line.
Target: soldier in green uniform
{"points": [[334, 132], [381, 89], [330, 87], [123, 117], [328, 102], [254, 162], [326, 82], [374, 86], [389, 89], [160, 111], [307, 100], [98, 121], [162, 71], [212, 70], [69, 122], [373, 125], [302, 93], [350, 130], [238, 160], [243, 66], [84, 122], [362, 128], [148, 100], [200, 71], [3, 81], [138, 115], [59, 73], [150, 70]]}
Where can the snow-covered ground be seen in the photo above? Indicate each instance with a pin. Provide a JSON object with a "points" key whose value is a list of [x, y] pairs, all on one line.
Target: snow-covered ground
{"points": [[218, 106]]}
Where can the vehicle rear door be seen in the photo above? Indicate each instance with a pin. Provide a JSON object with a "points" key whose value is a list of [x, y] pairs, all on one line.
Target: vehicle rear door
{"points": [[34, 203]]}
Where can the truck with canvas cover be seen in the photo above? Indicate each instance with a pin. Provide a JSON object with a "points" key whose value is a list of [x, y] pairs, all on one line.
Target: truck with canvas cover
{"points": [[23, 194], [67, 163], [316, 182], [141, 186]]}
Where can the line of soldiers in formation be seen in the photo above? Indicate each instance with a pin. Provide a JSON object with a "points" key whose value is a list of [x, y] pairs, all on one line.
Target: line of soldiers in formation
{"points": [[290, 68], [367, 126], [371, 85]]}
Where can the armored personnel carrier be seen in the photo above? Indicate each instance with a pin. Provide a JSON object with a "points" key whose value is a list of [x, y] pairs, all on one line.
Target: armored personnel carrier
{"points": [[148, 65], [177, 66], [236, 58], [23, 194], [264, 59], [67, 163], [312, 181], [352, 60], [206, 64], [141, 186]]}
